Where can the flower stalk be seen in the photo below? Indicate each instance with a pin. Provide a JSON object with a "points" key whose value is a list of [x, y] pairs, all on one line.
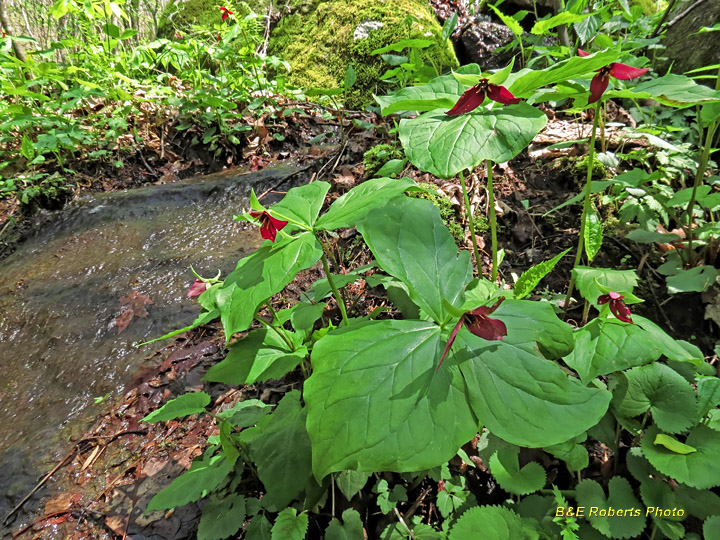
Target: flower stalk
{"points": [[493, 220], [336, 292]]}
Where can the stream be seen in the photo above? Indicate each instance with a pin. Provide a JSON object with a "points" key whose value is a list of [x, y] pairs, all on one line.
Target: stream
{"points": [[109, 271]]}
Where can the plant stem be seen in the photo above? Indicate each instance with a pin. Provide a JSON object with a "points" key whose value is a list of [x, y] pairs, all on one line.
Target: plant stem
{"points": [[471, 224], [279, 331], [493, 220], [586, 203], [336, 292]]}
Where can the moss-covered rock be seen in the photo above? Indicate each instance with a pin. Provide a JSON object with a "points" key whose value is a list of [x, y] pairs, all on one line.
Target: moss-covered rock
{"points": [[320, 38]]}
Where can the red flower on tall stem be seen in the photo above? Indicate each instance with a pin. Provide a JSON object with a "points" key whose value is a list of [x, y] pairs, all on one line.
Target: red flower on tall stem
{"points": [[600, 82], [197, 288], [617, 306], [474, 96], [478, 322], [269, 226], [226, 12]]}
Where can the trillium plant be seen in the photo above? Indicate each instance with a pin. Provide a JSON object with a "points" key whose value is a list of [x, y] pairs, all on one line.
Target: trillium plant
{"points": [[452, 358]]}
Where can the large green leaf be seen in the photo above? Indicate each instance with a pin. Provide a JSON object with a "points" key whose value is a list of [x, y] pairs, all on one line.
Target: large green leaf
{"points": [[495, 522], [261, 275], [672, 90], [351, 527], [280, 448], [594, 282], [506, 470], [290, 526], [699, 469], [221, 518], [533, 326], [191, 403], [410, 241], [590, 494], [352, 207], [245, 413], [446, 145], [259, 356], [523, 398], [529, 279], [660, 389], [708, 389], [375, 402], [658, 494], [676, 350], [302, 204], [605, 346]]}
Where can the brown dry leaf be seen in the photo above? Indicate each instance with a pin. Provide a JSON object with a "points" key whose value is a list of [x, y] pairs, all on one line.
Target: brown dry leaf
{"points": [[132, 305]]}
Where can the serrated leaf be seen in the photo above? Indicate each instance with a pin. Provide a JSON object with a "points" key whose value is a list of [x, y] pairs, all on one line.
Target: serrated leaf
{"points": [[509, 21], [352, 207], [699, 469], [495, 522], [221, 518], [259, 356], [505, 468], [375, 402], [700, 503], [657, 494], [27, 147], [262, 274], [523, 398], [593, 234], [711, 527], [564, 17], [202, 477], [302, 204], [590, 494], [259, 529], [351, 527], [708, 390], [660, 389], [280, 448], [351, 482], [183, 405], [290, 526], [446, 145], [410, 241], [531, 277]]}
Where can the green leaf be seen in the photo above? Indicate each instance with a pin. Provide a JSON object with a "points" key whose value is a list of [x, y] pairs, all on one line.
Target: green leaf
{"points": [[656, 494], [711, 527], [290, 526], [564, 17], [663, 391], [449, 26], [588, 279], [505, 468], [697, 279], [593, 234], [676, 350], [673, 444], [510, 22], [302, 204], [403, 44], [375, 402], [183, 405], [245, 413], [351, 527], [699, 469], [351, 482], [203, 476], [259, 529], [357, 203], [642, 236], [523, 398], [27, 147], [305, 315], [699, 503], [410, 241], [280, 448], [605, 346], [682, 197], [446, 145], [708, 390], [221, 518], [495, 522], [350, 77], [574, 454], [531, 277], [590, 494], [534, 326], [261, 275], [672, 90], [201, 319], [258, 357], [321, 288]]}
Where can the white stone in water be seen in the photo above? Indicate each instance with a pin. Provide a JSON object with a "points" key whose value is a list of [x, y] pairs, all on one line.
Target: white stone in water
{"points": [[363, 30]]}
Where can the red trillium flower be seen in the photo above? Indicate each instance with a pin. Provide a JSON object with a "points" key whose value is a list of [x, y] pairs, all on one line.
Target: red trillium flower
{"points": [[617, 306], [473, 97], [478, 322], [600, 82], [269, 226], [226, 12], [197, 288]]}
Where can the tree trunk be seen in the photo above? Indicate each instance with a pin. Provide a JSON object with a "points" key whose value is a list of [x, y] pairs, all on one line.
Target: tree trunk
{"points": [[7, 28]]}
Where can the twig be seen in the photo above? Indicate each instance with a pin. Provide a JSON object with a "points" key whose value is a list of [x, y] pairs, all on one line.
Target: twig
{"points": [[281, 182], [664, 18], [153, 173], [263, 51], [402, 522], [688, 10]]}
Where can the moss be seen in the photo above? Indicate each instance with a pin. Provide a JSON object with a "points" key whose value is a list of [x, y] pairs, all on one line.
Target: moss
{"points": [[447, 211], [599, 170], [317, 40], [378, 156]]}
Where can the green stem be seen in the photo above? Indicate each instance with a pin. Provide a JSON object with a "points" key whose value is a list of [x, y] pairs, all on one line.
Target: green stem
{"points": [[336, 292], [586, 203], [471, 224], [493, 220], [279, 331]]}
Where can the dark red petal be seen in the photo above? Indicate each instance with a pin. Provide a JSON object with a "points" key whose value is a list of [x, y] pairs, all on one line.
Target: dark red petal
{"points": [[450, 342], [598, 85], [487, 328], [277, 223], [604, 299], [485, 310], [501, 95], [583, 53], [625, 72], [268, 232], [197, 288], [225, 16], [256, 213], [620, 310], [470, 100]]}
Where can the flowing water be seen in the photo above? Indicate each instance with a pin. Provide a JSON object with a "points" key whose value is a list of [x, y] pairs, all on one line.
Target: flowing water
{"points": [[108, 272]]}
